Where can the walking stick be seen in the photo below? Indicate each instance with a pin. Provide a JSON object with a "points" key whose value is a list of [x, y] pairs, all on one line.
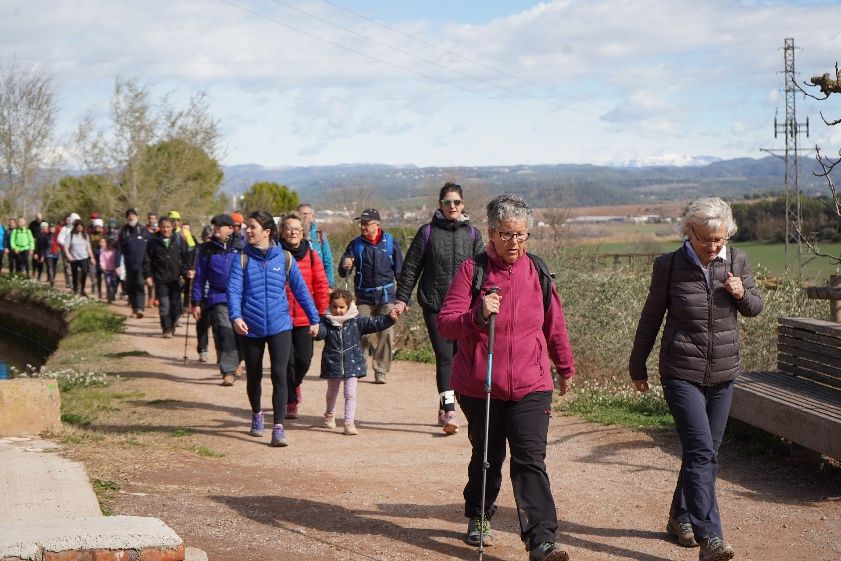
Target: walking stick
{"points": [[485, 465], [187, 330]]}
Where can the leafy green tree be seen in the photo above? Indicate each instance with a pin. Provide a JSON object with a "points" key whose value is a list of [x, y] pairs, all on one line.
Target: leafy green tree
{"points": [[273, 197], [81, 194]]}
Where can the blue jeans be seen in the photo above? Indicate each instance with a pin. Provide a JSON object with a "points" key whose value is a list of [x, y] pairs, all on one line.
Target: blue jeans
{"points": [[700, 414]]}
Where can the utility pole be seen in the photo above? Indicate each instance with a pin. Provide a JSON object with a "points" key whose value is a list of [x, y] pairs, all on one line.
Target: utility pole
{"points": [[791, 129]]}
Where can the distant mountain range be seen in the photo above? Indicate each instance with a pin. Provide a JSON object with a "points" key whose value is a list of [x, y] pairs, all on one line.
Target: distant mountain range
{"points": [[543, 185]]}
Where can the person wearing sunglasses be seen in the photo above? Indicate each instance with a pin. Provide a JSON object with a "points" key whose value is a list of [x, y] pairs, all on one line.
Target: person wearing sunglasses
{"points": [[700, 288], [432, 260]]}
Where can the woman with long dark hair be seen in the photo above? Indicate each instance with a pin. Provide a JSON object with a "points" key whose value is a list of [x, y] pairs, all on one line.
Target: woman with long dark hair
{"points": [[259, 310], [80, 256], [432, 260]]}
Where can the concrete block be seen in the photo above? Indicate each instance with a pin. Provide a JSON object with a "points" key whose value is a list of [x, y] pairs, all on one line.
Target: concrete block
{"points": [[29, 407]]}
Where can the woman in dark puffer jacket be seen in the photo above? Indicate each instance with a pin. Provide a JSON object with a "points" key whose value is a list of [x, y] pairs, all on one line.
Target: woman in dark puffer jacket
{"points": [[435, 255], [700, 288]]}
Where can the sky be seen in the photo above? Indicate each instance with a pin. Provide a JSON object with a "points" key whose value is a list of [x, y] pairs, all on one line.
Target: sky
{"points": [[442, 83]]}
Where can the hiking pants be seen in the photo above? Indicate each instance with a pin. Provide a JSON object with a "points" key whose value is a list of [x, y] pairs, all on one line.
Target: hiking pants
{"points": [[700, 414], [378, 344], [444, 350], [254, 347], [111, 283], [524, 425], [23, 261], [202, 329], [65, 264], [135, 287], [80, 269], [300, 358], [37, 267], [224, 338], [51, 261], [169, 294]]}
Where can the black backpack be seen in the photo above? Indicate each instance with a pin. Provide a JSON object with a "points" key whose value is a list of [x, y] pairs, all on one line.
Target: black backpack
{"points": [[547, 278]]}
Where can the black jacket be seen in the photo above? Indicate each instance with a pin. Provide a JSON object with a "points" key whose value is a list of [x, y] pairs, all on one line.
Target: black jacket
{"points": [[165, 264], [701, 339], [133, 242], [435, 259]]}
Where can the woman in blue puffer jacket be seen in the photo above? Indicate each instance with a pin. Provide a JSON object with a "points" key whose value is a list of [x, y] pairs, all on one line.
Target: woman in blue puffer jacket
{"points": [[259, 311]]}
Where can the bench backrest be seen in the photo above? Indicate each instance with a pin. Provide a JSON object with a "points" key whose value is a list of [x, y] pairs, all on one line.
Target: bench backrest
{"points": [[810, 348]]}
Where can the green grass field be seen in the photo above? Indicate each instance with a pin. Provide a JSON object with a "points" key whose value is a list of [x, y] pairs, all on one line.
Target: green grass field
{"points": [[766, 257]]}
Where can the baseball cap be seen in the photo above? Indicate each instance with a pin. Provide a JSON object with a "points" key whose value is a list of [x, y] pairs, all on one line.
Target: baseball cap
{"points": [[369, 214], [97, 222], [237, 218], [174, 214], [131, 211], [222, 220]]}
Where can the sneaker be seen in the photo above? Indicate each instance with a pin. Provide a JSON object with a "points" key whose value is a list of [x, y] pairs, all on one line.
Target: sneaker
{"points": [[139, 314], [450, 424], [442, 417], [291, 411], [473, 526], [256, 424], [203, 356], [167, 334], [379, 377], [240, 370], [548, 551], [682, 531], [279, 437], [228, 380], [329, 421], [350, 428], [715, 549]]}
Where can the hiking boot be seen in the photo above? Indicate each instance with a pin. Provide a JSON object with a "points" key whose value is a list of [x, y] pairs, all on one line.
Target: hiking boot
{"points": [[329, 421], [228, 380], [548, 551], [350, 428], [256, 424], [682, 531], [450, 424], [139, 314], [203, 356], [473, 526], [279, 437], [715, 549], [442, 417], [379, 377], [291, 411], [167, 334]]}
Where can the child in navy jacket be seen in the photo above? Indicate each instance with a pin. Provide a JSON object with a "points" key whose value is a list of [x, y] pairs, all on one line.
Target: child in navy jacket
{"points": [[342, 359]]}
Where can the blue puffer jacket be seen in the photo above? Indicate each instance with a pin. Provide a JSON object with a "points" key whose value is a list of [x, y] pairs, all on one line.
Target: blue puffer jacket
{"points": [[213, 267], [342, 355], [258, 296]]}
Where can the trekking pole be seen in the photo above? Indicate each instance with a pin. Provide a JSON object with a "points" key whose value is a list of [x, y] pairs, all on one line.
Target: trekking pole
{"points": [[485, 465], [187, 330]]}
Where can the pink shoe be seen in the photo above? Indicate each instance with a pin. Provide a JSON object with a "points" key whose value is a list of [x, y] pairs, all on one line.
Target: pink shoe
{"points": [[291, 411], [442, 417], [450, 424]]}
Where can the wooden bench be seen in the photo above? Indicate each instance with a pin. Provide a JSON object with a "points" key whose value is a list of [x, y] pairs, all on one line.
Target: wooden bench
{"points": [[801, 401]]}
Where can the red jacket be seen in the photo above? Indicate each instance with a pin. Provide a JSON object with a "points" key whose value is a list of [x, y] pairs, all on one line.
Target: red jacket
{"points": [[523, 340], [313, 272]]}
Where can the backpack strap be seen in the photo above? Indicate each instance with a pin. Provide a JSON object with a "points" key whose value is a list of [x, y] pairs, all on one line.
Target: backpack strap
{"points": [[547, 278], [480, 264], [427, 231], [288, 257]]}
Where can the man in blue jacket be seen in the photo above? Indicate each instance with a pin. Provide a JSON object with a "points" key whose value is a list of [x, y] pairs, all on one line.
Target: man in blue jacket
{"points": [[377, 258], [212, 265], [317, 238], [133, 239]]}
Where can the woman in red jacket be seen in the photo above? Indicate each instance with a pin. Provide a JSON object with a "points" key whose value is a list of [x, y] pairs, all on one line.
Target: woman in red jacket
{"points": [[300, 356], [521, 378]]}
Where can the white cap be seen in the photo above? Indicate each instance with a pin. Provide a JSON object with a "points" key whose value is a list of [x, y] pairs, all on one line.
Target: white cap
{"points": [[73, 218], [97, 222]]}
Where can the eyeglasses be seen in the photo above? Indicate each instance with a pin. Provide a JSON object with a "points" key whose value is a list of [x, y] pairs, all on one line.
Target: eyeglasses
{"points": [[293, 230], [508, 236], [704, 241], [452, 202]]}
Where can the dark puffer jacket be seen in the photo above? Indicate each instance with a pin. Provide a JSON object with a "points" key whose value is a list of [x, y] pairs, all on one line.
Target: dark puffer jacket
{"points": [[165, 264], [436, 259], [701, 339], [342, 356]]}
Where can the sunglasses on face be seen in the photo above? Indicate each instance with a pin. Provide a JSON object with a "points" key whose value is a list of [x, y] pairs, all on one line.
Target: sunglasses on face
{"points": [[452, 202]]}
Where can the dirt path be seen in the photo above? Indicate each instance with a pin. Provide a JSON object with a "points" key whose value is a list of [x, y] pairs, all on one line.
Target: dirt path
{"points": [[394, 491]]}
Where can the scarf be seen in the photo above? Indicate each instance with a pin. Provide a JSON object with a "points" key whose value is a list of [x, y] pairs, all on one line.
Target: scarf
{"points": [[338, 321], [298, 253]]}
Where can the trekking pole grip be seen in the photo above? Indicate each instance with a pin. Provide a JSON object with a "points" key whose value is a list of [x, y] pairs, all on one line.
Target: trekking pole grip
{"points": [[491, 323]]}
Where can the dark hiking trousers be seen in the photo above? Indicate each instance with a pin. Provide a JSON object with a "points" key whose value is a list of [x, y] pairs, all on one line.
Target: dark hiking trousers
{"points": [[224, 338], [135, 287], [300, 359], [524, 425], [700, 415], [253, 348], [202, 330], [169, 307], [444, 350]]}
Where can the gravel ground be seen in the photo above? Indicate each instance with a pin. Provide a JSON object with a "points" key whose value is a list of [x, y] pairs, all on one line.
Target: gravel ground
{"points": [[394, 491]]}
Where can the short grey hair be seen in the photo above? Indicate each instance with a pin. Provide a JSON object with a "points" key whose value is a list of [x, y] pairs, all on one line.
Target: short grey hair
{"points": [[710, 213], [509, 207]]}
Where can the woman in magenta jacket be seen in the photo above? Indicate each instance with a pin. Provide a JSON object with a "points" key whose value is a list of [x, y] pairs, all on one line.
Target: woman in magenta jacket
{"points": [[521, 379]]}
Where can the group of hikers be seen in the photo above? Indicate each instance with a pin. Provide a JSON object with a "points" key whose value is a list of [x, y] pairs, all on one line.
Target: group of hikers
{"points": [[256, 283]]}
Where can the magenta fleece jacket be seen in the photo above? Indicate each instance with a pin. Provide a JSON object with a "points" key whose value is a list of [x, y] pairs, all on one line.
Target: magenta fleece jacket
{"points": [[525, 339]]}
